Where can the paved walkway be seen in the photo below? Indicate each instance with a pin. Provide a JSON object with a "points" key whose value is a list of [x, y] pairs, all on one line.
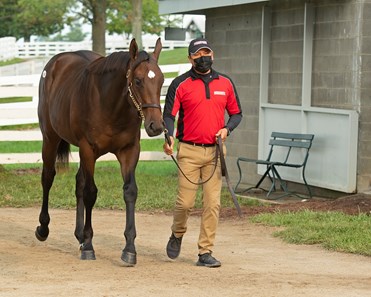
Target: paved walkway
{"points": [[24, 135], [35, 135], [36, 157]]}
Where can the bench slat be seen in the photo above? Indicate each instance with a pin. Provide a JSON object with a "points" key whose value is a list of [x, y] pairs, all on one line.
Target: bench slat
{"points": [[290, 143], [292, 136]]}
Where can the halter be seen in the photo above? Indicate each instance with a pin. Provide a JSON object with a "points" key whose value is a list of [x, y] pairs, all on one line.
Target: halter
{"points": [[138, 105]]}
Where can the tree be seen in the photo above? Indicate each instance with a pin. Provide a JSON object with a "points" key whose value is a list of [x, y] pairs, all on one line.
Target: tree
{"points": [[99, 26], [94, 12], [75, 34], [120, 17], [23, 18], [8, 10], [40, 17], [137, 22]]}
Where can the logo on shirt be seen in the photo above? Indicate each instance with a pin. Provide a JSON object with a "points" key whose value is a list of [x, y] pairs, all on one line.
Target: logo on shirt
{"points": [[221, 93]]}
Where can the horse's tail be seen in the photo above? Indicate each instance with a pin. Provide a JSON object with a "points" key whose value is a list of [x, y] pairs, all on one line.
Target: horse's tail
{"points": [[63, 153]]}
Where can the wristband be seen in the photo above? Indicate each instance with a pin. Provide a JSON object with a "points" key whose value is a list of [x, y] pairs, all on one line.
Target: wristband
{"points": [[228, 131]]}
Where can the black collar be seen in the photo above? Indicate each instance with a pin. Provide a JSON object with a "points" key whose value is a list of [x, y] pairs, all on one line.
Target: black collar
{"points": [[205, 77]]}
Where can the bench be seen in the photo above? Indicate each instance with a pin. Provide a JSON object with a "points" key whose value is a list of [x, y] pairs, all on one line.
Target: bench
{"points": [[288, 144]]}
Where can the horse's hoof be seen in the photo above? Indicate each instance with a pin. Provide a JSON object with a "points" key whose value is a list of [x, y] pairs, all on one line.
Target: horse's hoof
{"points": [[129, 259], [39, 236], [87, 255]]}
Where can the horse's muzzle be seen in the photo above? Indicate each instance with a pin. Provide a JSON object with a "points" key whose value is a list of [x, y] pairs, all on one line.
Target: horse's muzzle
{"points": [[154, 128]]}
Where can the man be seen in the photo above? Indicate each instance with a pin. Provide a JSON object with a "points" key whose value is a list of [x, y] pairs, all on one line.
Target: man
{"points": [[200, 97]]}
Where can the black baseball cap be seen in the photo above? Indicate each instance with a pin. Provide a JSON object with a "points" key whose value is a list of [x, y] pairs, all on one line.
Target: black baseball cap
{"points": [[197, 44]]}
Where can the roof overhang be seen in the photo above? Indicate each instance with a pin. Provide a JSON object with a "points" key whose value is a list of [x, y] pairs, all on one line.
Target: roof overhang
{"points": [[197, 6]]}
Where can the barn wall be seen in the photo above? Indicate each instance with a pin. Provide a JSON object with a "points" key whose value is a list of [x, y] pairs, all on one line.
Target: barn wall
{"points": [[341, 70]]}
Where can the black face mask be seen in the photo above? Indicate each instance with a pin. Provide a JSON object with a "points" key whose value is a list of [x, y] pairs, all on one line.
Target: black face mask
{"points": [[203, 64]]}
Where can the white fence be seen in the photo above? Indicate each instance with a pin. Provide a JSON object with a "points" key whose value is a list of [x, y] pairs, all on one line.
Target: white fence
{"points": [[34, 66], [9, 48], [27, 86], [48, 49], [19, 86]]}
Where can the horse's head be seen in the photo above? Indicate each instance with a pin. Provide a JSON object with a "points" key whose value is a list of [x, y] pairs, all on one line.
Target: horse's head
{"points": [[145, 81]]}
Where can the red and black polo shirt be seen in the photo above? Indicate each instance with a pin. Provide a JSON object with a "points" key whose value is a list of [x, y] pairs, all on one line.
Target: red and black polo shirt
{"points": [[200, 102]]}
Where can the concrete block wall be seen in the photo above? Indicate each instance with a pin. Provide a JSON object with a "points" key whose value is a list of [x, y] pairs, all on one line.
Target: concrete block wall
{"points": [[364, 147], [286, 53], [341, 76], [235, 33], [336, 55], [341, 73]]}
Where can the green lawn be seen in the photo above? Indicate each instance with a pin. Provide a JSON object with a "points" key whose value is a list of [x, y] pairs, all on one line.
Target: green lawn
{"points": [[11, 61], [20, 127], [175, 56], [332, 230], [15, 99], [157, 183]]}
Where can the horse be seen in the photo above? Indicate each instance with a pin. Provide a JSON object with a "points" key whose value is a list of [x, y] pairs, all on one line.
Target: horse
{"points": [[97, 104]]}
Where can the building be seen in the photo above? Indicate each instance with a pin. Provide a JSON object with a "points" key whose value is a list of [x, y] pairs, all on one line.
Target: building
{"points": [[299, 66]]}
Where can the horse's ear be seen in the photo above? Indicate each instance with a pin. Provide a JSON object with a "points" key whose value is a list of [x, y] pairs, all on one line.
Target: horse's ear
{"points": [[158, 48], [133, 49]]}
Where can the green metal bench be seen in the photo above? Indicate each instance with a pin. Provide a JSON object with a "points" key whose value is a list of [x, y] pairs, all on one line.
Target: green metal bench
{"points": [[288, 143]]}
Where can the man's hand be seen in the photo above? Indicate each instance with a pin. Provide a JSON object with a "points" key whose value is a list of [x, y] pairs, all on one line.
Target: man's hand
{"points": [[168, 149], [223, 133]]}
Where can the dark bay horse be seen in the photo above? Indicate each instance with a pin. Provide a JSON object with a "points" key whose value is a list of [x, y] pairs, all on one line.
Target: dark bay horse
{"points": [[97, 104]]}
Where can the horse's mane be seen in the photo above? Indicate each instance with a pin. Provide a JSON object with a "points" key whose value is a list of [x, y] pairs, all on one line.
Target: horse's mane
{"points": [[115, 61]]}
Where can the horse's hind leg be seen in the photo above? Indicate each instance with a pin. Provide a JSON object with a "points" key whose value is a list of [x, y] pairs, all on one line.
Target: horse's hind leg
{"points": [[49, 155], [89, 193]]}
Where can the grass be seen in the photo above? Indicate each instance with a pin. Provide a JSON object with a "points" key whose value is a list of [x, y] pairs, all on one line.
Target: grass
{"points": [[170, 74], [11, 61], [175, 56], [332, 230], [7, 147], [15, 99], [20, 127], [157, 183]]}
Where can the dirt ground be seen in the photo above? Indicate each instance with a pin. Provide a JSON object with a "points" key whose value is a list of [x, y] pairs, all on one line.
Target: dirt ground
{"points": [[254, 263], [352, 205]]}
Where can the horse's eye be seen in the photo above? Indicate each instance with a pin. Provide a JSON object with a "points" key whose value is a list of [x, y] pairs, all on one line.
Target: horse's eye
{"points": [[137, 82]]}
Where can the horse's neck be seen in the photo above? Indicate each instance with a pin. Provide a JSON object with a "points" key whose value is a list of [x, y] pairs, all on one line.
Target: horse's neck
{"points": [[115, 101], [117, 105]]}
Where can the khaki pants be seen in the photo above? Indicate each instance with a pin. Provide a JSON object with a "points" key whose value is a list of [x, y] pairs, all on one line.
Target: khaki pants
{"points": [[198, 163]]}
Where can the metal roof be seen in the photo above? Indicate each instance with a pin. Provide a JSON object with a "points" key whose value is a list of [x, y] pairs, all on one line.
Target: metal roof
{"points": [[197, 6]]}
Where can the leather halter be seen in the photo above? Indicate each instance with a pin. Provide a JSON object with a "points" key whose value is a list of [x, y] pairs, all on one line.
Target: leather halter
{"points": [[138, 105]]}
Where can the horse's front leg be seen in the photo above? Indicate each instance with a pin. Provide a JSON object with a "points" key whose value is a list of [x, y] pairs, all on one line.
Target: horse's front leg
{"points": [[128, 162], [89, 193], [79, 192]]}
